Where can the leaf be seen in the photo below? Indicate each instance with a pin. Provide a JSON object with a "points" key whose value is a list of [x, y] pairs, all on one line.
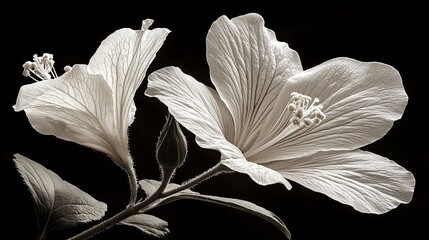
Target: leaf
{"points": [[58, 203], [149, 186], [149, 224]]}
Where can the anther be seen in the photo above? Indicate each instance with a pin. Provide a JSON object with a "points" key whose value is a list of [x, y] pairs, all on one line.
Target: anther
{"points": [[67, 68], [307, 121], [299, 113], [320, 115], [296, 121]]}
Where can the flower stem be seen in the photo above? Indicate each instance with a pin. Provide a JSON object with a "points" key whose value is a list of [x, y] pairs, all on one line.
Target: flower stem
{"points": [[136, 208], [198, 179], [132, 178]]}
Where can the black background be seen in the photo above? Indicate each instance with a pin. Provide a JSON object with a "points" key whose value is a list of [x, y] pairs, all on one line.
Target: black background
{"points": [[387, 32]]}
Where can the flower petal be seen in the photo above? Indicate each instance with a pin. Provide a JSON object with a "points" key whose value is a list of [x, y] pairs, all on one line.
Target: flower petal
{"points": [[258, 173], [361, 100], [248, 67], [75, 107], [199, 109], [196, 106], [123, 59], [368, 182]]}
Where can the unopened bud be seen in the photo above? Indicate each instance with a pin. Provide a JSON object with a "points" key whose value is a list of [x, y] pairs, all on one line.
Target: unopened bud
{"points": [[171, 148]]}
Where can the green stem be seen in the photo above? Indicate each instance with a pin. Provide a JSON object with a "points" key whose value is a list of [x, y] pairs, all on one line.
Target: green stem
{"points": [[136, 208], [198, 179], [132, 178], [106, 224]]}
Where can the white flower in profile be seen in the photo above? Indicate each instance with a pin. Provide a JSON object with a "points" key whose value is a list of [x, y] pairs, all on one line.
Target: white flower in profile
{"points": [[274, 121], [92, 105]]}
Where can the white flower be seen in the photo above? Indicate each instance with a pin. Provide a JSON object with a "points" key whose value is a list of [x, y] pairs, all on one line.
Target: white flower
{"points": [[93, 104], [274, 121]]}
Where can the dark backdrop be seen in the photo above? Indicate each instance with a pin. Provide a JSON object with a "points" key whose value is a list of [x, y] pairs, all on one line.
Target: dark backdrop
{"points": [[388, 32]]}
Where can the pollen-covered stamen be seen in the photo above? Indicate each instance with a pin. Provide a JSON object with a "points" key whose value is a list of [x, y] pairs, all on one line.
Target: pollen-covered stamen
{"points": [[41, 68], [67, 68], [305, 111]]}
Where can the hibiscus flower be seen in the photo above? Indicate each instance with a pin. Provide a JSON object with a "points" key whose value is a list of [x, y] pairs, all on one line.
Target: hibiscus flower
{"points": [[93, 105], [275, 122]]}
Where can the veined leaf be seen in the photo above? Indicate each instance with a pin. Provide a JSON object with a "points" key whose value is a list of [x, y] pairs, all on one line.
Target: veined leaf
{"points": [[149, 224], [149, 186], [58, 203]]}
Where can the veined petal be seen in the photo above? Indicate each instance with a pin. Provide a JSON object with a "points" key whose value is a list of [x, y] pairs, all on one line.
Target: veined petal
{"points": [[199, 109], [368, 182], [123, 59], [248, 67], [258, 173], [196, 106], [361, 100], [75, 107]]}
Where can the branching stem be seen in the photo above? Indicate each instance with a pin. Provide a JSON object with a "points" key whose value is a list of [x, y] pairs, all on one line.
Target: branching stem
{"points": [[138, 207]]}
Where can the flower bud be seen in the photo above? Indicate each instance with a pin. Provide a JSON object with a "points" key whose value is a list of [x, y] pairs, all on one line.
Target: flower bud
{"points": [[171, 148]]}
